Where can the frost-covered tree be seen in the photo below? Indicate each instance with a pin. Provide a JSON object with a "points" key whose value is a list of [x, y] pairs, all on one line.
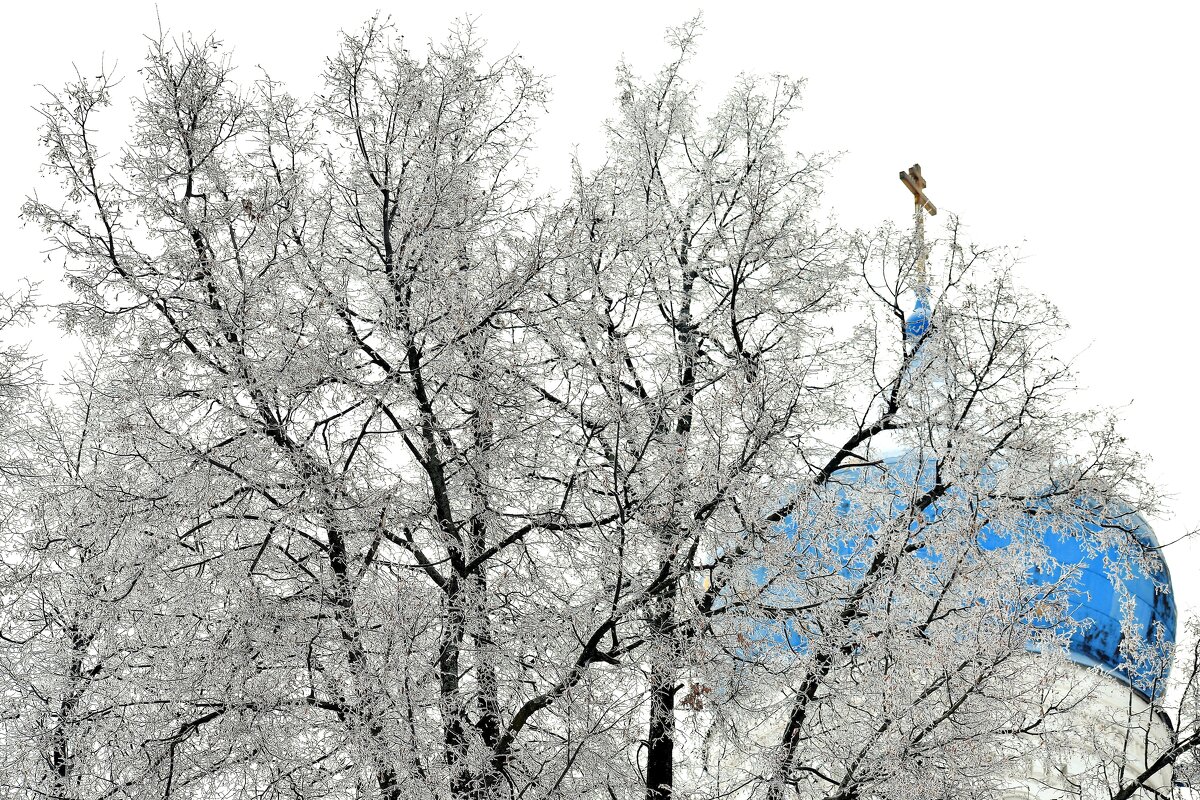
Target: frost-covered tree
{"points": [[19, 369], [384, 476]]}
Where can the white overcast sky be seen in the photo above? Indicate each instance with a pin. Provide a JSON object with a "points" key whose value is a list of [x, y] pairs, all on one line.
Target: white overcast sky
{"points": [[1066, 129]]}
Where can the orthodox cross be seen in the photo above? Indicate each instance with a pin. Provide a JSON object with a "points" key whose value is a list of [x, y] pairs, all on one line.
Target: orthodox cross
{"points": [[916, 184]]}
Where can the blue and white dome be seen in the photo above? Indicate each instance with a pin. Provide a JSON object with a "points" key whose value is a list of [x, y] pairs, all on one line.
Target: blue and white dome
{"points": [[1111, 587], [1103, 564]]}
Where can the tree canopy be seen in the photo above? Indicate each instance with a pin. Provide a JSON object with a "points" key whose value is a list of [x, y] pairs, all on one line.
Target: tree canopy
{"points": [[382, 475]]}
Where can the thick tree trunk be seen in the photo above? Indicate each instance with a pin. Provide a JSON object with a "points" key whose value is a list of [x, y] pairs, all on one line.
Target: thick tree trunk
{"points": [[487, 699], [364, 717], [61, 758], [453, 711], [664, 669], [467, 783], [660, 739], [660, 732]]}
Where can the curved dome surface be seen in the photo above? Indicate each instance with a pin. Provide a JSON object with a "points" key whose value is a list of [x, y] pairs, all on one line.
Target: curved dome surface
{"points": [[1099, 581], [1107, 583]]}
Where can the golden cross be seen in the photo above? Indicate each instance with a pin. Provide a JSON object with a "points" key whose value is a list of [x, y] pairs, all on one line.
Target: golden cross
{"points": [[916, 184]]}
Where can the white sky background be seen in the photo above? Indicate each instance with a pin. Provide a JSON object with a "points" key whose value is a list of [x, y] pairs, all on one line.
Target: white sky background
{"points": [[1068, 130]]}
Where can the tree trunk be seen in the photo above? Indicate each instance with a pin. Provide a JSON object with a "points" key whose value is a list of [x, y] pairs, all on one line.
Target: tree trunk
{"points": [[364, 716], [61, 758], [660, 730], [660, 740]]}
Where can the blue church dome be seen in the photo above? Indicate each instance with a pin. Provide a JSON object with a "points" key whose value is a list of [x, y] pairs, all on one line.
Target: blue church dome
{"points": [[1106, 583], [1101, 583]]}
